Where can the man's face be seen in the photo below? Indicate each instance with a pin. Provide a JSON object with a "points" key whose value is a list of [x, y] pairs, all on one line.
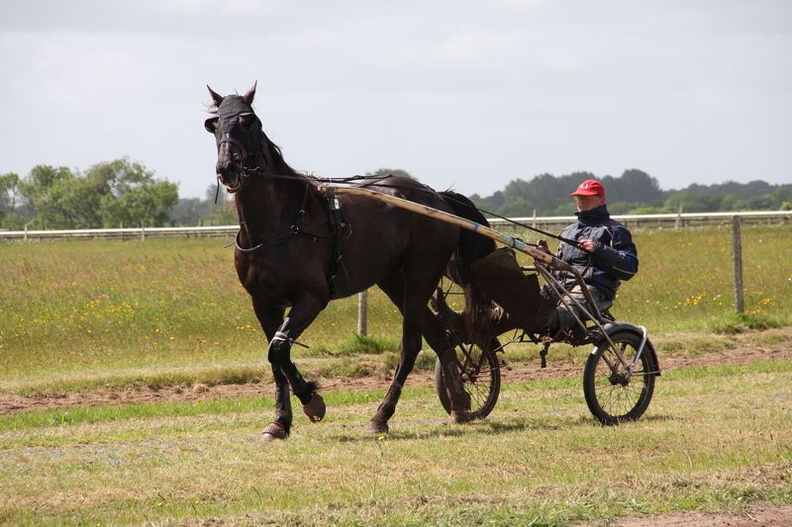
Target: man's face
{"points": [[585, 203]]}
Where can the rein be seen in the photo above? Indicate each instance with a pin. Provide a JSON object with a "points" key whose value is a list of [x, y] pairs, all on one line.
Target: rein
{"points": [[449, 198], [354, 179], [535, 229], [245, 173]]}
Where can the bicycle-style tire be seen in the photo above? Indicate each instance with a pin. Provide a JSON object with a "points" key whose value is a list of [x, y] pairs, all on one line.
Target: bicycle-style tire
{"points": [[614, 395]]}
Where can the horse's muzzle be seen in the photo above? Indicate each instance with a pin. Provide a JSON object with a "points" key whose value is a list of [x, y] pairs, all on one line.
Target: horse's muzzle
{"points": [[231, 179], [228, 167], [231, 187]]}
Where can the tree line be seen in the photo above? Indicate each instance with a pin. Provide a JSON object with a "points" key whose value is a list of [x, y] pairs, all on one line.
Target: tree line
{"points": [[634, 192], [110, 194], [122, 193]]}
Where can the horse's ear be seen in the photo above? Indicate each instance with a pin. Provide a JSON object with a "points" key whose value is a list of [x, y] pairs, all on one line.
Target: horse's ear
{"points": [[217, 99], [250, 94]]}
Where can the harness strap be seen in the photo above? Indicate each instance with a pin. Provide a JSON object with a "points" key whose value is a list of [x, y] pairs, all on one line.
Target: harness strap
{"points": [[338, 225], [272, 242]]}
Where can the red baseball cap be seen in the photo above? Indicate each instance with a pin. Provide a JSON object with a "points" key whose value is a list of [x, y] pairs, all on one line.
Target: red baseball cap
{"points": [[590, 187]]}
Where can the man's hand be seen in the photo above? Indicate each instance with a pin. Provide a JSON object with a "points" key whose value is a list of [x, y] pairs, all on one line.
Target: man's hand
{"points": [[542, 246], [588, 245]]}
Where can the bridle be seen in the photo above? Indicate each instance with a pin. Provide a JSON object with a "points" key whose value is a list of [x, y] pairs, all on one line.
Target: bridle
{"points": [[243, 172]]}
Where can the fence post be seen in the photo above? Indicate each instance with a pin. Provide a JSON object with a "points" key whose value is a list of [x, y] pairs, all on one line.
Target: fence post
{"points": [[363, 313], [737, 257]]}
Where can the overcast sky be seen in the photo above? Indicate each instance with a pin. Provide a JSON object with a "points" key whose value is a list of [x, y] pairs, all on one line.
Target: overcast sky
{"points": [[468, 94]]}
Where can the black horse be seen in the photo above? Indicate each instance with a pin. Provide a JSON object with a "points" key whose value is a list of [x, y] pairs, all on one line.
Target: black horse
{"points": [[299, 247]]}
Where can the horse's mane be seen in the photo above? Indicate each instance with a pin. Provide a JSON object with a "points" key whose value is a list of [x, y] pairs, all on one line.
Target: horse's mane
{"points": [[280, 164]]}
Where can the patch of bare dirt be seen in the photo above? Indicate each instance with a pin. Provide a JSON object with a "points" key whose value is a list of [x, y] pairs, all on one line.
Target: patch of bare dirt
{"points": [[10, 404], [758, 515]]}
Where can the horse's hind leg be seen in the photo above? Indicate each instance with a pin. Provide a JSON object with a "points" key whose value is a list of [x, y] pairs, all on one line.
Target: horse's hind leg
{"points": [[437, 338]]}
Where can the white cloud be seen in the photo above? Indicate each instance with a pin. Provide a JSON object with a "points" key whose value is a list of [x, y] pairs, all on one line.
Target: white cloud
{"points": [[472, 93]]}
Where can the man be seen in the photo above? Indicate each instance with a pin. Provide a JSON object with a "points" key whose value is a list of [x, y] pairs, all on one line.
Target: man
{"points": [[604, 254], [600, 248]]}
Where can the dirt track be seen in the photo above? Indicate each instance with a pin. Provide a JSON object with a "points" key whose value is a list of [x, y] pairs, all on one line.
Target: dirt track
{"points": [[10, 404], [758, 515]]}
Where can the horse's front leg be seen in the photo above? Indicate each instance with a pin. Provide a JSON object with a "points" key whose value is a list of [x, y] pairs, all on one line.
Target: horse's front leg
{"points": [[409, 349], [271, 318], [280, 427], [286, 374]]}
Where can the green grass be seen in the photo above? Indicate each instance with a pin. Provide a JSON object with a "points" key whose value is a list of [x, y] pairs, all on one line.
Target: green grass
{"points": [[686, 280], [172, 311], [715, 439], [74, 306], [83, 315]]}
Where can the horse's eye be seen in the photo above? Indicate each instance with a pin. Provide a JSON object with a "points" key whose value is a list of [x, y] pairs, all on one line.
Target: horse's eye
{"points": [[247, 120], [211, 125]]}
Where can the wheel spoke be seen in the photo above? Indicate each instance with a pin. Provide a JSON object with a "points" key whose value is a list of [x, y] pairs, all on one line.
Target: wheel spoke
{"points": [[613, 393], [480, 375], [617, 391]]}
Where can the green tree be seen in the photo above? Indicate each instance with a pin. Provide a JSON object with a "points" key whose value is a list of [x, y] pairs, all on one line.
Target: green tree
{"points": [[144, 205], [221, 208], [544, 194], [515, 208], [131, 195], [81, 199], [214, 209], [694, 202], [10, 201], [491, 203], [44, 188], [634, 186], [109, 194], [384, 172], [188, 212]]}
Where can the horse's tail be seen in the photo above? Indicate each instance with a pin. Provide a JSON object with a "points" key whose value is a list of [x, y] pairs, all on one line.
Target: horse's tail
{"points": [[471, 247]]}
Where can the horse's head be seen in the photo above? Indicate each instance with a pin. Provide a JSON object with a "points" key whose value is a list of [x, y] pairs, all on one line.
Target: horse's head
{"points": [[241, 147]]}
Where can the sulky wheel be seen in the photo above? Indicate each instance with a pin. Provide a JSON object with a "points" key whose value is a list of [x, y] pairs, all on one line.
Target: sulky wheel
{"points": [[479, 369], [613, 393]]}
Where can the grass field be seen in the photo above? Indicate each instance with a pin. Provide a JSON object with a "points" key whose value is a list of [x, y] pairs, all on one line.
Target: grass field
{"points": [[84, 315], [114, 310], [716, 439]]}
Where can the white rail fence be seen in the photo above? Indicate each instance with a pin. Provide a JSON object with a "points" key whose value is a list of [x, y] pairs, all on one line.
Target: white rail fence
{"points": [[679, 220]]}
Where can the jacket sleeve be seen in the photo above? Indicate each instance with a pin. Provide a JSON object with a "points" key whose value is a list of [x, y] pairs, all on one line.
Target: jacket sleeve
{"points": [[620, 258]]}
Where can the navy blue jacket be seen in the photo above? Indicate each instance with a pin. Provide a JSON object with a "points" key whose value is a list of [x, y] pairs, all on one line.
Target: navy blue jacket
{"points": [[615, 258]]}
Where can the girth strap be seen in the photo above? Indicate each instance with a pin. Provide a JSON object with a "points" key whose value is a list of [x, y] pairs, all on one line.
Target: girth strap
{"points": [[337, 225]]}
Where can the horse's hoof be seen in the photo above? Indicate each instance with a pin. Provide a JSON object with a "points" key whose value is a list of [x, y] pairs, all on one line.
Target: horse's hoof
{"points": [[459, 418], [273, 432], [378, 427], [315, 409]]}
